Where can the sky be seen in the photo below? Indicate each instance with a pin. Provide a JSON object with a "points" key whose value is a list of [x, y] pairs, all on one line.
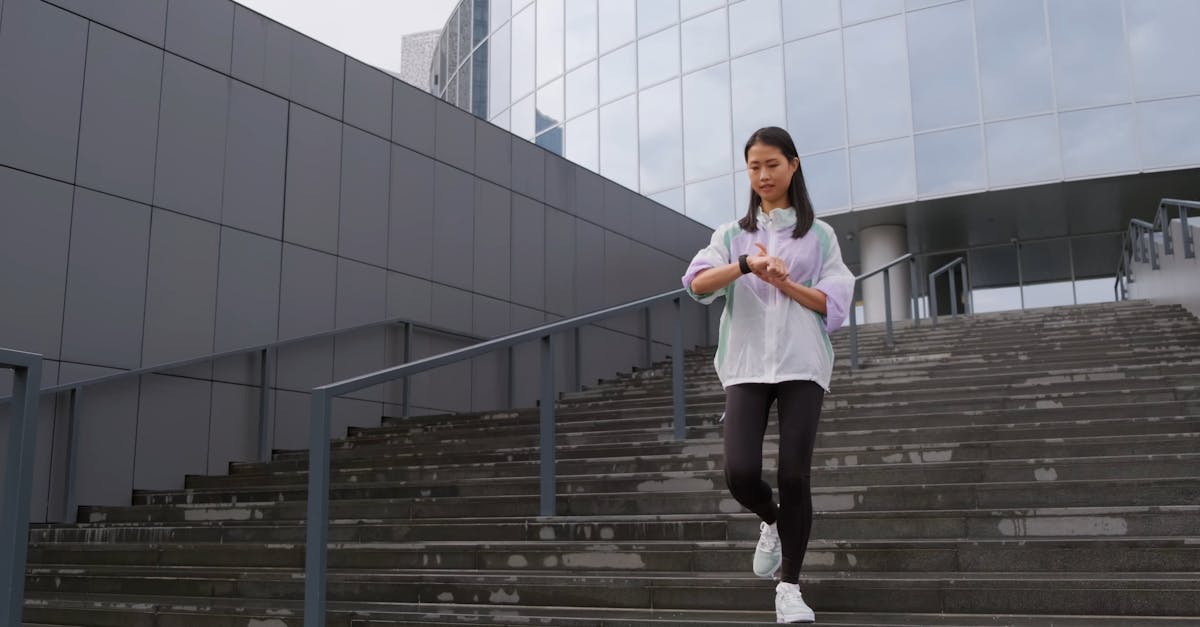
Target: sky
{"points": [[368, 30]]}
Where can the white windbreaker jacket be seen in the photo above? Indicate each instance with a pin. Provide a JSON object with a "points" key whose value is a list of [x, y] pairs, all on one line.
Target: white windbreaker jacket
{"points": [[766, 337]]}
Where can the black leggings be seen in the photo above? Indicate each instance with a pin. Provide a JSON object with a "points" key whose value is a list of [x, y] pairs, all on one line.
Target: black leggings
{"points": [[746, 408]]}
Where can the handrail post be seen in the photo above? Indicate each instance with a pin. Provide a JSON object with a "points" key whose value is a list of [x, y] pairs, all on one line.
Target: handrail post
{"points": [[317, 523], [18, 481], [1165, 221], [1153, 249], [405, 383], [680, 410], [265, 405], [853, 334], [953, 293], [1189, 242], [915, 284], [887, 309], [548, 489], [933, 300], [74, 412], [968, 293]]}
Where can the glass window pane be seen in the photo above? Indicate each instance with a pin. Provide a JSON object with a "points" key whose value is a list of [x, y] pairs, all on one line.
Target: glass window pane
{"points": [[481, 22], [752, 26], [549, 40], [1023, 151], [658, 57], [583, 141], [711, 202], [828, 181], [464, 30], [1099, 141], [913, 5], [1091, 66], [941, 57], [1013, 84], [696, 7], [618, 73], [581, 31], [801, 19], [877, 81], [950, 161], [479, 82], [503, 120], [815, 92], [452, 45], [883, 172], [704, 40], [1164, 46], [653, 15], [861, 10], [499, 79], [672, 199], [552, 140], [706, 116], [581, 90], [517, 5], [550, 105], [741, 192], [618, 23], [1169, 132], [522, 54], [522, 121], [661, 140], [757, 88], [619, 142], [500, 11]]}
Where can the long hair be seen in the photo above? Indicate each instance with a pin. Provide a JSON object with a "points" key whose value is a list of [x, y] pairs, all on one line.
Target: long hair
{"points": [[797, 190]]}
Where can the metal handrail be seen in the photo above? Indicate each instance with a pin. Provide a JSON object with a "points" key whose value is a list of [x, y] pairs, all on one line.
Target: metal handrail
{"points": [[317, 520], [933, 299], [266, 374], [18, 480], [887, 304], [1137, 243]]}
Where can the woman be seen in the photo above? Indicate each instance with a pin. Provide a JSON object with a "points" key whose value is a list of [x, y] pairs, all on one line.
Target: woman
{"points": [[786, 288]]}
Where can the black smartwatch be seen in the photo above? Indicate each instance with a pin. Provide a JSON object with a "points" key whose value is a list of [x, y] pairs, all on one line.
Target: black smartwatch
{"points": [[743, 264]]}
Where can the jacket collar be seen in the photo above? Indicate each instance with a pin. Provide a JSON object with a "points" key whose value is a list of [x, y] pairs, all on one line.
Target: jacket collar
{"points": [[777, 219]]}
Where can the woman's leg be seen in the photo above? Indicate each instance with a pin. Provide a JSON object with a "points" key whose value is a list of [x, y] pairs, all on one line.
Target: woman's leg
{"points": [[746, 409], [799, 413]]}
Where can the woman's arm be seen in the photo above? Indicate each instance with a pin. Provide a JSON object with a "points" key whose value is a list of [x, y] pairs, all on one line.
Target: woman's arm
{"points": [[712, 279], [811, 298]]}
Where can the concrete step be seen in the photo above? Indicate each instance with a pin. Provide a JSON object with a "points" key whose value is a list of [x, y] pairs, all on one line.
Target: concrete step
{"points": [[1113, 593]]}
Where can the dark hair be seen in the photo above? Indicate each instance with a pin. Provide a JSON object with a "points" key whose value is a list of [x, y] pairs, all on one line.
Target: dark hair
{"points": [[797, 190]]}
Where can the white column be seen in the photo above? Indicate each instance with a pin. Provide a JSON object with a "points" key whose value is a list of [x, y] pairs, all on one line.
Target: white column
{"points": [[879, 245]]}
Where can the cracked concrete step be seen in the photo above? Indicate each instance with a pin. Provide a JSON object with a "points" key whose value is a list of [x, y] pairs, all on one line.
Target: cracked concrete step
{"points": [[1133, 437], [1176, 594], [932, 467], [1173, 491], [1113, 521]]}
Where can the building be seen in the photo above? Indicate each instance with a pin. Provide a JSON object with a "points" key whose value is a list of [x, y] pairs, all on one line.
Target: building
{"points": [[416, 55], [1020, 134]]}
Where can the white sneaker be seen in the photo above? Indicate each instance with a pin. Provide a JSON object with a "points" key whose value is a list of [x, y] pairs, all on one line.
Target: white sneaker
{"points": [[769, 554], [790, 606]]}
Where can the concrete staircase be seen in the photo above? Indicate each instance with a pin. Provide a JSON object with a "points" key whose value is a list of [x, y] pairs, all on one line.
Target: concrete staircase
{"points": [[1004, 469]]}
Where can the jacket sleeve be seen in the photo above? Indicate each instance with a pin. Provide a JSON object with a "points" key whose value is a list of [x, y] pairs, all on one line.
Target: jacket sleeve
{"points": [[714, 255], [837, 283]]}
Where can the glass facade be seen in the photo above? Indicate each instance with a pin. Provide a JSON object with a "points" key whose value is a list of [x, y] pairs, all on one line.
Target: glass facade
{"points": [[889, 101]]}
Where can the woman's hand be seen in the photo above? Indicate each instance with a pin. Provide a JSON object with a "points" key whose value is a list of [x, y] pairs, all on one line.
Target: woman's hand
{"points": [[766, 267]]}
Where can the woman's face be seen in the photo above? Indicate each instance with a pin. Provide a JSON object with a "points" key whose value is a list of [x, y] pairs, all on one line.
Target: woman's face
{"points": [[770, 173]]}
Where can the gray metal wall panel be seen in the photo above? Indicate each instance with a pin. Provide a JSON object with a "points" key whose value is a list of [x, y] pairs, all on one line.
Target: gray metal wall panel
{"points": [[493, 153], [318, 75], [360, 353], [303, 366], [314, 168], [106, 281], [247, 290], [262, 52], [363, 220], [528, 169], [617, 287], [589, 266], [291, 420], [492, 239], [361, 299], [233, 426], [442, 388], [119, 126], [452, 308], [410, 247], [107, 430], [409, 297], [528, 252], [560, 182], [526, 358], [413, 118], [255, 161], [146, 20], [307, 292], [618, 208], [455, 136], [368, 98], [560, 263], [202, 31], [42, 52], [191, 139], [453, 226], [172, 431], [349, 412], [641, 219], [491, 318], [589, 196], [35, 227], [181, 289]]}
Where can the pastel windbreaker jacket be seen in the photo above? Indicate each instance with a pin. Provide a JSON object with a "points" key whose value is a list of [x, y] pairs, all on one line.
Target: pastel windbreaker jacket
{"points": [[766, 337]]}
